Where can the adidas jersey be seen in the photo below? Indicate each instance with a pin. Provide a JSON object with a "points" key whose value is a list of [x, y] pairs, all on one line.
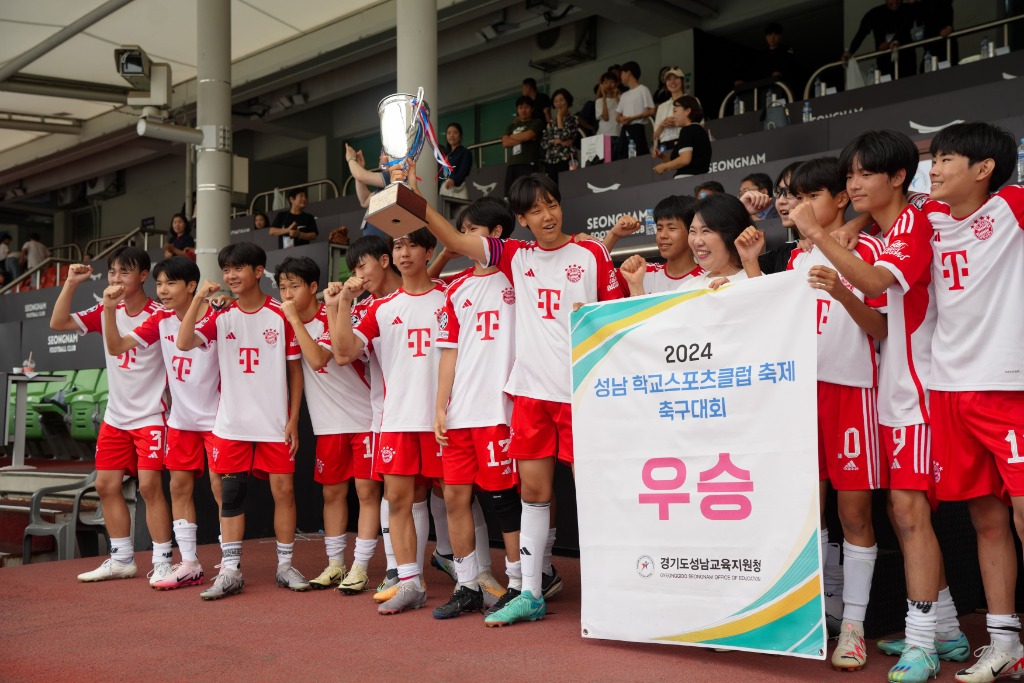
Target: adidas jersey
{"points": [[846, 354], [373, 372], [903, 371], [403, 328], [479, 320], [657, 280], [192, 376], [978, 273], [136, 379], [547, 283], [337, 396], [253, 350]]}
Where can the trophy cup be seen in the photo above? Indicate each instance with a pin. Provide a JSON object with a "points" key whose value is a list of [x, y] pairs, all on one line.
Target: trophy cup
{"points": [[404, 125]]}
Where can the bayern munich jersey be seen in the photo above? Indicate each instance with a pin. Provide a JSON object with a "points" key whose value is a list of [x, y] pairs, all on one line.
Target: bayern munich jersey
{"points": [[136, 379], [192, 376], [903, 371], [337, 396], [547, 284], [978, 273], [657, 280], [373, 371], [403, 329], [479, 319], [253, 350], [846, 354]]}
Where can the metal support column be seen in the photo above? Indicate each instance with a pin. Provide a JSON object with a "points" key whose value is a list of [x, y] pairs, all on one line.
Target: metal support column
{"points": [[417, 67]]}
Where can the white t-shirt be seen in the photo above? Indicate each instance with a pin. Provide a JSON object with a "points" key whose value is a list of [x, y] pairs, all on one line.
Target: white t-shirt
{"points": [[479, 320], [403, 328], [978, 273], [35, 253], [192, 376], [337, 396], [547, 283], [668, 133], [136, 379], [634, 101], [846, 354], [253, 351], [703, 279], [611, 126]]}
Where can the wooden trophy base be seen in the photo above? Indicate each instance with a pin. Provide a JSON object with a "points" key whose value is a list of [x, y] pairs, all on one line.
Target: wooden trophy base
{"points": [[397, 210]]}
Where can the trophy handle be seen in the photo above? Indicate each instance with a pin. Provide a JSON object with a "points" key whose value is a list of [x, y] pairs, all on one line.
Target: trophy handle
{"points": [[419, 104]]}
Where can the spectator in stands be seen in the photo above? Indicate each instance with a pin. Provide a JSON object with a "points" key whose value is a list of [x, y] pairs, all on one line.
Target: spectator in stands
{"points": [[294, 227], [260, 221], [759, 182], [541, 102], [936, 17], [890, 25], [662, 94], [5, 253], [33, 252], [462, 161], [607, 104], [666, 130], [180, 242], [636, 107], [522, 139], [707, 188], [777, 60], [587, 117], [616, 71], [691, 153], [560, 136]]}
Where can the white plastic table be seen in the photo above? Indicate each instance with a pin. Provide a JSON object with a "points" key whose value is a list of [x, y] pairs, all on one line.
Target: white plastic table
{"points": [[20, 384]]}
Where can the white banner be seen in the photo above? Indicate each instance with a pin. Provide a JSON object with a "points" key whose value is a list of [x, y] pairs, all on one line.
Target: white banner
{"points": [[694, 420]]}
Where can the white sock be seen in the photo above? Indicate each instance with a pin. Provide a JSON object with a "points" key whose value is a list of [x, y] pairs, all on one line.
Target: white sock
{"points": [[185, 535], [365, 548], [231, 554], [548, 547], [421, 520], [947, 626], [858, 569], [833, 570], [467, 569], [385, 530], [162, 552], [284, 555], [335, 547], [921, 620], [439, 512], [514, 572], [532, 537], [823, 539], [411, 573], [483, 539], [121, 550], [1004, 630]]}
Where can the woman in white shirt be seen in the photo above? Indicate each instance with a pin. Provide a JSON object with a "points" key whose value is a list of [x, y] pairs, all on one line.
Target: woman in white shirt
{"points": [[717, 220], [666, 128]]}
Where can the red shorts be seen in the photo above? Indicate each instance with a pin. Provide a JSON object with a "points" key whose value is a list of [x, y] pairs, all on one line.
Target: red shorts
{"points": [[130, 449], [187, 450], [262, 458], [408, 454], [541, 429], [908, 452], [479, 455], [848, 452], [978, 446], [336, 456]]}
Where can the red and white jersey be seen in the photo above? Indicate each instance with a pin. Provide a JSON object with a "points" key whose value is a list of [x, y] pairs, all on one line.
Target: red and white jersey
{"points": [[657, 280], [547, 283], [192, 376], [374, 375], [978, 272], [253, 350], [403, 328], [479, 319], [136, 379], [703, 280], [337, 396], [903, 372], [846, 354]]}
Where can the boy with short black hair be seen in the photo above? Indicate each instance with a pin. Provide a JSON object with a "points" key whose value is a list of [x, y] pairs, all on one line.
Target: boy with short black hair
{"points": [[131, 437], [294, 227], [257, 422]]}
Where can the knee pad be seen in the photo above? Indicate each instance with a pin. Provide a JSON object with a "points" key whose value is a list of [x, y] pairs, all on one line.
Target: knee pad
{"points": [[233, 487], [507, 507]]}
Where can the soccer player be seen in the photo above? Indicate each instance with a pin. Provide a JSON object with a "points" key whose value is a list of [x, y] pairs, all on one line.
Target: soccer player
{"points": [[257, 419], [131, 437], [338, 399], [194, 380], [473, 413], [549, 275], [402, 328], [879, 167]]}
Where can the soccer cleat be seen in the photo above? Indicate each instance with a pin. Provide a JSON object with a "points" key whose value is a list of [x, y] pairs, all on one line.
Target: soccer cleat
{"points": [[850, 654], [110, 569], [915, 666], [834, 616], [509, 595], [355, 581], [993, 662], [492, 590], [550, 584], [392, 589], [463, 600], [955, 650], [523, 607], [160, 572], [228, 582], [292, 579], [406, 597], [390, 579], [181, 575], [445, 563], [331, 576]]}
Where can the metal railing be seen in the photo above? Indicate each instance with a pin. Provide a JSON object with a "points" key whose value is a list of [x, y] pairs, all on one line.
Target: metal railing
{"points": [[102, 246], [321, 186], [476, 149], [894, 52], [756, 87], [36, 274]]}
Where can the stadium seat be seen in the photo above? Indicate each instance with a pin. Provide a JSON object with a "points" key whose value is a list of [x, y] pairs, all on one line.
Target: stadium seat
{"points": [[84, 405]]}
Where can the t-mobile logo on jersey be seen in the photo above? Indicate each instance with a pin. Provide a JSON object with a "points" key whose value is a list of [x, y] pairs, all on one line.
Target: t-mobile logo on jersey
{"points": [[182, 366], [823, 306], [419, 339], [957, 262], [248, 357], [486, 322], [127, 358], [548, 302]]}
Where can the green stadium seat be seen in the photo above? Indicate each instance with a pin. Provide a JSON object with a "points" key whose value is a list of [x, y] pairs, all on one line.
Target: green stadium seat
{"points": [[84, 404]]}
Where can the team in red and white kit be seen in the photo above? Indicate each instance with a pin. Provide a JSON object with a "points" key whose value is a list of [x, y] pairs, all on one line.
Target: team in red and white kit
{"points": [[919, 359]]}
